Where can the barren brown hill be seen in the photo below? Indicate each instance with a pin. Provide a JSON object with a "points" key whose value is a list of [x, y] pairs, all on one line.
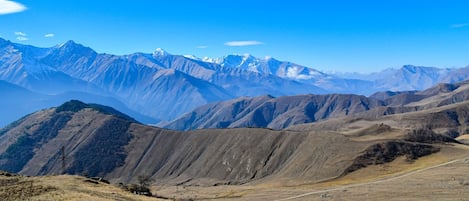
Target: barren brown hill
{"points": [[270, 112], [99, 141], [450, 120], [282, 112]]}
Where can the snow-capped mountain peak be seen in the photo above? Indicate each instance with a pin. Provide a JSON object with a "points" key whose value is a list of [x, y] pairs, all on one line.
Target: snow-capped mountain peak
{"points": [[160, 52], [267, 58], [71, 47], [190, 56], [209, 60], [269, 65], [68, 44], [246, 56]]}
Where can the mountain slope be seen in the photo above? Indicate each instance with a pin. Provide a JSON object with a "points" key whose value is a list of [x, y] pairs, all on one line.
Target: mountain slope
{"points": [[19, 65], [282, 112], [410, 77], [269, 65], [103, 142], [269, 112], [100, 141], [137, 78], [413, 77], [172, 93], [16, 102], [54, 128]]}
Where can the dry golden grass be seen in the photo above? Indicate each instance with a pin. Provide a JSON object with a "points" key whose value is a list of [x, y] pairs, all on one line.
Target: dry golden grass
{"points": [[63, 187], [403, 179], [463, 138]]}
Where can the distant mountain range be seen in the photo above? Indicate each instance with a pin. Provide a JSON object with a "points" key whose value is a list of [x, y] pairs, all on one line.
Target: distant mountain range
{"points": [[164, 86]]}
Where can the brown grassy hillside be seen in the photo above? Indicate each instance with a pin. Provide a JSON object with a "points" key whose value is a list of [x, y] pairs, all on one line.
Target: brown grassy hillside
{"points": [[61, 188], [102, 142]]}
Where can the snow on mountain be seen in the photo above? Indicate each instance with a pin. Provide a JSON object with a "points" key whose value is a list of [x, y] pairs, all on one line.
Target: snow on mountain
{"points": [[302, 74], [190, 56], [164, 86], [19, 65], [160, 52], [269, 65], [209, 60]]}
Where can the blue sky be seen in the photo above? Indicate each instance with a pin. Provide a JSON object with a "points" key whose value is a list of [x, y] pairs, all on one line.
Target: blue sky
{"points": [[351, 36]]}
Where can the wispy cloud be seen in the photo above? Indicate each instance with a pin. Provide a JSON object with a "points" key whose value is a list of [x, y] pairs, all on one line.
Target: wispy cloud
{"points": [[7, 7], [49, 35], [202, 47], [19, 33], [243, 43], [21, 36], [456, 26]]}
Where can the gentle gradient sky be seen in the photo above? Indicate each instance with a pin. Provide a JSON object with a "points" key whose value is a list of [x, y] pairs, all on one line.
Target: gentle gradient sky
{"points": [[333, 35]]}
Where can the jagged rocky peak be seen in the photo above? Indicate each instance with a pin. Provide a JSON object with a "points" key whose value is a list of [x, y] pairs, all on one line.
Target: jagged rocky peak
{"points": [[73, 47], [69, 44]]}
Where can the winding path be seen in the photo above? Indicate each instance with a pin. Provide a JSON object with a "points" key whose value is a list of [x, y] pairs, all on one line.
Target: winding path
{"points": [[372, 182]]}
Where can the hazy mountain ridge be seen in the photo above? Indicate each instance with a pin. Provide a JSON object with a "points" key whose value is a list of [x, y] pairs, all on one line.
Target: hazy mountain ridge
{"points": [[410, 77], [19, 102]]}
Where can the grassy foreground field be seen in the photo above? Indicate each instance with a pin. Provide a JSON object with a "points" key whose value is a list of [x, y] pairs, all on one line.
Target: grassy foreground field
{"points": [[62, 187], [440, 176]]}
